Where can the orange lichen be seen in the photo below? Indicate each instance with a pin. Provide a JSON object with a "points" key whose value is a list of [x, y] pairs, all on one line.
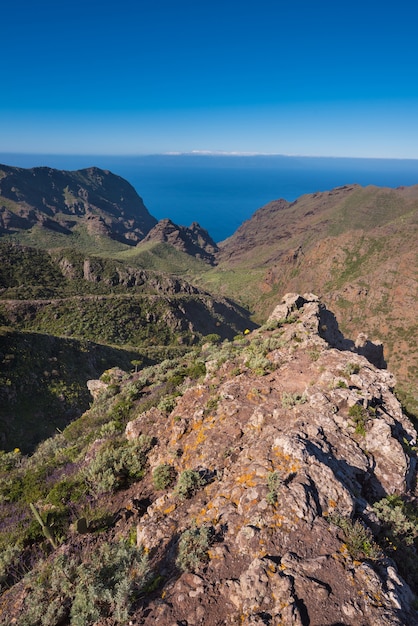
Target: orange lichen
{"points": [[247, 479], [285, 463]]}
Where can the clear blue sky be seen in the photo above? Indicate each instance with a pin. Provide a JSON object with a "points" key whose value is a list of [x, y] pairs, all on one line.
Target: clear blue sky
{"points": [[151, 76]]}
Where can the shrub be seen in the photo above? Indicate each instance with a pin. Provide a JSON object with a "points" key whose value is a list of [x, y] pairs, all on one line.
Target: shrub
{"points": [[212, 338], [341, 384], [211, 405], [290, 400], [163, 476], [351, 368], [359, 539], [400, 519], [193, 548], [359, 415], [314, 354], [9, 559], [188, 483], [10, 460], [196, 370], [259, 364], [83, 590], [118, 463], [273, 482], [167, 404], [399, 539]]}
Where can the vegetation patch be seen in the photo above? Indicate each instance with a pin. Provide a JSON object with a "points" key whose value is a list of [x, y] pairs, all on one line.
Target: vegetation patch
{"points": [[358, 538], [83, 589], [117, 464], [163, 476], [188, 483], [193, 548]]}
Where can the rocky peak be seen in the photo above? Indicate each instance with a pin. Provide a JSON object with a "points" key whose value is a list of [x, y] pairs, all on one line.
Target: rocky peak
{"points": [[194, 240], [279, 488], [295, 441]]}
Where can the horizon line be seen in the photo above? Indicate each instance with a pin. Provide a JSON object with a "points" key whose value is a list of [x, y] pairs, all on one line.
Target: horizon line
{"points": [[276, 154], [209, 153]]}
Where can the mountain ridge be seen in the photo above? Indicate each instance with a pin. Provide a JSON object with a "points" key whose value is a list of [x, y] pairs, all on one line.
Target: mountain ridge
{"points": [[266, 491], [352, 245], [223, 473]]}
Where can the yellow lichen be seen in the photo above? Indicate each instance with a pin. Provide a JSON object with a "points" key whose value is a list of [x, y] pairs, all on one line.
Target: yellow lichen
{"points": [[170, 509]]}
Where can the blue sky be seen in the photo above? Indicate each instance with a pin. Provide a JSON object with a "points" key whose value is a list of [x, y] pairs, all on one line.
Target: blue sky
{"points": [[156, 76]]}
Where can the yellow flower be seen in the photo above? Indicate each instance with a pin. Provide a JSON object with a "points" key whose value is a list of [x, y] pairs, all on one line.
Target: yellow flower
{"points": [[16, 450]]}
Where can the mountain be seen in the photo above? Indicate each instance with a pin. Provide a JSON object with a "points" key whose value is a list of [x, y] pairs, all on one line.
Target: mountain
{"points": [[266, 480], [355, 246], [194, 240], [62, 202], [202, 469], [87, 209], [352, 245]]}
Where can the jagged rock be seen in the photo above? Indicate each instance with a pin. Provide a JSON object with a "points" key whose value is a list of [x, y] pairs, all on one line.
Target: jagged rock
{"points": [[194, 240], [96, 387], [280, 559], [288, 483]]}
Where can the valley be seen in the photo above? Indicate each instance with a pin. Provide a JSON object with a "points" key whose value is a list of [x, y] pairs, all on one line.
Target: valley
{"points": [[201, 434]]}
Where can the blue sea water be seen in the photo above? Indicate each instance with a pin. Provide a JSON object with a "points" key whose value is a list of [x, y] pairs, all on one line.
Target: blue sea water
{"points": [[221, 192]]}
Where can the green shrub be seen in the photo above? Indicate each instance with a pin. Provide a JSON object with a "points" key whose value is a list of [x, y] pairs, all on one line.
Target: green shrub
{"points": [[212, 338], [289, 400], [9, 558], [10, 460], [196, 370], [167, 403], [211, 405], [193, 548], [341, 384], [359, 539], [400, 519], [188, 483], [259, 364], [314, 354], [351, 368], [273, 482], [83, 590], [65, 491], [163, 476], [360, 416], [117, 464]]}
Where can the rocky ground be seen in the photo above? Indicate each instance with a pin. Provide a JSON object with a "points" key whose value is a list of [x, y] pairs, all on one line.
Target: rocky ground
{"points": [[278, 458], [279, 553]]}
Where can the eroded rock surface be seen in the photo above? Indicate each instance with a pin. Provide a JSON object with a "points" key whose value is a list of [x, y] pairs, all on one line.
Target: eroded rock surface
{"points": [[258, 500], [277, 403]]}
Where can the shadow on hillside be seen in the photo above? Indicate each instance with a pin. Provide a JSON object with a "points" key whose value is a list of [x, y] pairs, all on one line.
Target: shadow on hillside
{"points": [[352, 478], [330, 331], [43, 383]]}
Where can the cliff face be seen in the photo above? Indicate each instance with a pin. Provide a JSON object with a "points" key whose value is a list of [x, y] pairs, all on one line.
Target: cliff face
{"points": [[58, 201], [277, 485]]}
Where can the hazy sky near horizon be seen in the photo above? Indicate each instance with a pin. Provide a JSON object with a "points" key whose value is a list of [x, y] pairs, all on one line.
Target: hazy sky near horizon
{"points": [[155, 76]]}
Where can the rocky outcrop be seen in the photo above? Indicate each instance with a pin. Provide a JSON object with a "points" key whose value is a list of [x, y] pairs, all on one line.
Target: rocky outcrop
{"points": [[194, 240], [295, 441], [278, 487], [325, 324]]}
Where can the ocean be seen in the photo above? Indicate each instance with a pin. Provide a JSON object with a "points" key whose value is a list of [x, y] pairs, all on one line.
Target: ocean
{"points": [[221, 192]]}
